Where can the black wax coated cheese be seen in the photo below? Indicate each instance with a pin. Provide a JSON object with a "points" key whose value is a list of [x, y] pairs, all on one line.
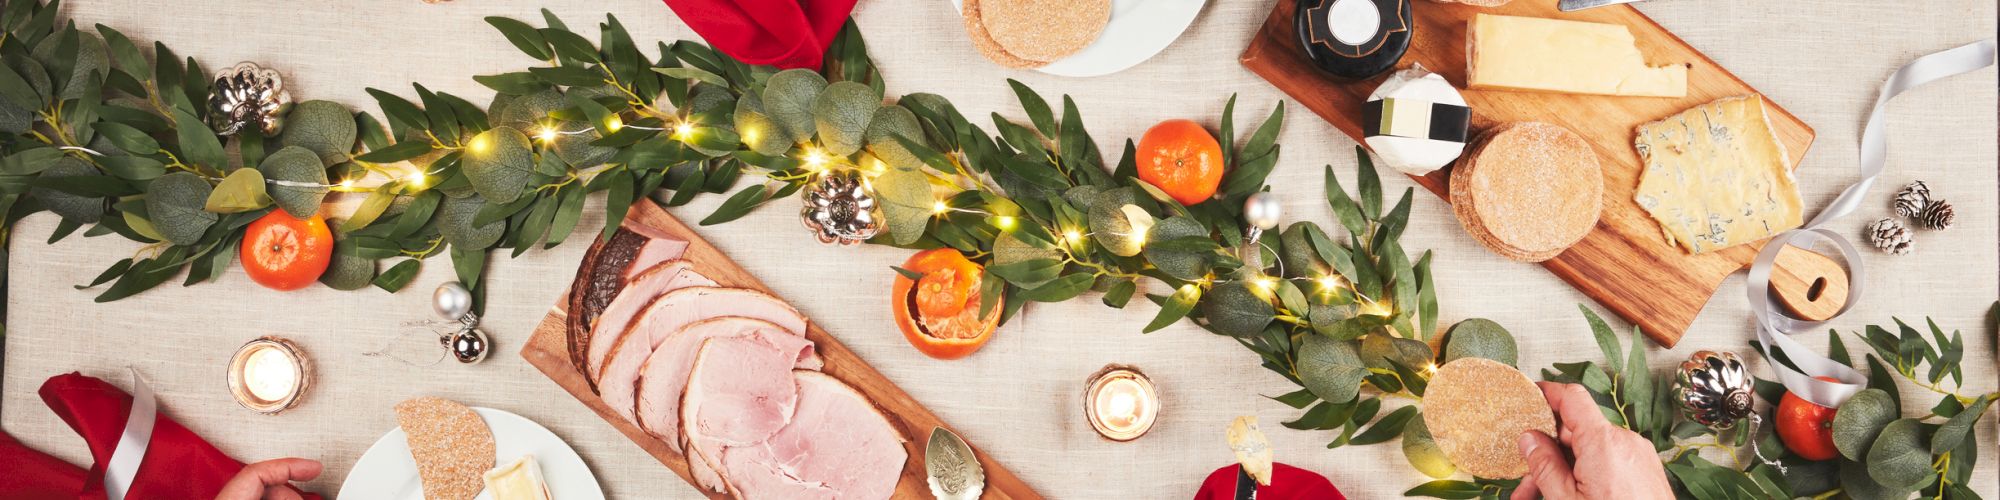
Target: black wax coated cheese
{"points": [[1377, 54]]}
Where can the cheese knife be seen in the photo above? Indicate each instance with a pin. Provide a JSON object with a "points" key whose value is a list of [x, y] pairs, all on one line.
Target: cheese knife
{"points": [[953, 470], [1575, 5]]}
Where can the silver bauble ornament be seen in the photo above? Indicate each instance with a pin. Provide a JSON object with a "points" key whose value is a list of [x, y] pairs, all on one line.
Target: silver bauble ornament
{"points": [[1714, 389], [452, 301], [248, 96], [840, 208], [468, 345], [1261, 212]]}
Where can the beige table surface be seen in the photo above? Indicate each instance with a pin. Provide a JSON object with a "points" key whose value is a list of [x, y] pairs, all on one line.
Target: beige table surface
{"points": [[1019, 398]]}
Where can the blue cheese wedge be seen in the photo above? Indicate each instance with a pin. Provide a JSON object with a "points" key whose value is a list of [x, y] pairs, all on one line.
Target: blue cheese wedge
{"points": [[1716, 176], [519, 480]]}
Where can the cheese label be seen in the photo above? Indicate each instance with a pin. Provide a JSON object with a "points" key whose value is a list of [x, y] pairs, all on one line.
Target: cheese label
{"points": [[1417, 119], [1553, 55], [1715, 176]]}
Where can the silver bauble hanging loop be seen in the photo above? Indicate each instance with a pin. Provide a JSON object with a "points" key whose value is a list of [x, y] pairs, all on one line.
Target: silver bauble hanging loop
{"points": [[1261, 212]]}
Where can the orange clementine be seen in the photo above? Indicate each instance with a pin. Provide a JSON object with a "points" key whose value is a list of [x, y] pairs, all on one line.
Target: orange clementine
{"points": [[1182, 159], [939, 314], [283, 252], [1806, 428]]}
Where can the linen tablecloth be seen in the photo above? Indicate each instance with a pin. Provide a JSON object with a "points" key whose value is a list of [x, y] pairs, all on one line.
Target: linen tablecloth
{"points": [[1019, 399]]}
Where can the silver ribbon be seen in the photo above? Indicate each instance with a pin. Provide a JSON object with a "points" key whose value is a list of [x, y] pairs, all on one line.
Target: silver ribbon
{"points": [[1774, 327], [123, 467]]}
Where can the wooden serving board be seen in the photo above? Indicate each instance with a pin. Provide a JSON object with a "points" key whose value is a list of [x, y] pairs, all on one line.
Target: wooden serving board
{"points": [[546, 350], [1625, 263]]}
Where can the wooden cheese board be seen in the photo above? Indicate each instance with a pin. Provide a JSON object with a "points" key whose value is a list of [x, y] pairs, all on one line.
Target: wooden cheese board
{"points": [[547, 351], [1624, 263]]}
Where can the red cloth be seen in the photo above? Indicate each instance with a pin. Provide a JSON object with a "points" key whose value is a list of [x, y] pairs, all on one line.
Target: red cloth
{"points": [[783, 33], [178, 463], [1287, 483]]}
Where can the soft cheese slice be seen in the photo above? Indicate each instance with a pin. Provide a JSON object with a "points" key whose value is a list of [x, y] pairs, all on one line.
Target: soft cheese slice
{"points": [[1716, 176], [519, 480], [1552, 55]]}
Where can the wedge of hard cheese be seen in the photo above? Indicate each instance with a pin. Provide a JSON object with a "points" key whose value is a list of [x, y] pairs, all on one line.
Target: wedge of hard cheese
{"points": [[1716, 176], [1552, 55]]}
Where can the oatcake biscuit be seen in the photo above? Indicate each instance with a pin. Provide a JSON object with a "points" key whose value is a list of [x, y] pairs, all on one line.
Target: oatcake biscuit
{"points": [[1528, 191], [1044, 30], [1476, 410], [451, 444], [975, 28]]}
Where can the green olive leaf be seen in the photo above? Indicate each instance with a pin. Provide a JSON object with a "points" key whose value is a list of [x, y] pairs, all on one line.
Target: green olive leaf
{"points": [[301, 167], [454, 219], [1900, 458], [72, 207], [1859, 420], [1377, 351], [175, 204], [1480, 338], [1959, 427], [788, 98], [499, 162], [841, 114], [91, 56], [1330, 368], [906, 203], [889, 122], [527, 111], [324, 127], [1234, 308], [241, 191]]}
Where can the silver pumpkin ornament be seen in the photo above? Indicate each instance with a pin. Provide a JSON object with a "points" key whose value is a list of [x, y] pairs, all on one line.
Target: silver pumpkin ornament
{"points": [[1715, 389], [248, 96], [840, 208]]}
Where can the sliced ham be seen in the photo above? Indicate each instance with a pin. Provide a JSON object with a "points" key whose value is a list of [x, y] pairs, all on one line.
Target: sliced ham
{"points": [[639, 291], [618, 381], [606, 269], [665, 374], [837, 445], [654, 252], [740, 391]]}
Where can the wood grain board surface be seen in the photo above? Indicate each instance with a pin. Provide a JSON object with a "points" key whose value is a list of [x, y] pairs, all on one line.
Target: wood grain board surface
{"points": [[1624, 263], [546, 351]]}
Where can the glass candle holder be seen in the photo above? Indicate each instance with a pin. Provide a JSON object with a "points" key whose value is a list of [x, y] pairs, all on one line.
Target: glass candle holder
{"points": [[1121, 403], [269, 375]]}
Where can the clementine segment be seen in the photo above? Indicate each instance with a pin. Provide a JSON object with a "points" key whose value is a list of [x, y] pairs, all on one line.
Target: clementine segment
{"points": [[283, 252], [1182, 159], [939, 314]]}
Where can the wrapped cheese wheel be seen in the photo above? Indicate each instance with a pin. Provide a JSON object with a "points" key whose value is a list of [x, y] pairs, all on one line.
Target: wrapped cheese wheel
{"points": [[1287, 483], [1416, 121]]}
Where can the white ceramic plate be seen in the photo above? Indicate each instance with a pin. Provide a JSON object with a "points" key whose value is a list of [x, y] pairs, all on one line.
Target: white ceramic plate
{"points": [[387, 472], [1138, 30]]}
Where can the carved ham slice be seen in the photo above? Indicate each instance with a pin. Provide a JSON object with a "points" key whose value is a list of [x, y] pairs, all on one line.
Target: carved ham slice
{"points": [[666, 317], [740, 391], [665, 374], [837, 445], [638, 293], [606, 269]]}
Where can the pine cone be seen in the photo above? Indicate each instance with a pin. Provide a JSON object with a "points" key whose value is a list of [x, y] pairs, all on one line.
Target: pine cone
{"points": [[1889, 236], [1936, 215], [1912, 199]]}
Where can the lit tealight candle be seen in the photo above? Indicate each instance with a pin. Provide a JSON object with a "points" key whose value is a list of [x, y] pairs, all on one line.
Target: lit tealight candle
{"points": [[269, 375], [1121, 403]]}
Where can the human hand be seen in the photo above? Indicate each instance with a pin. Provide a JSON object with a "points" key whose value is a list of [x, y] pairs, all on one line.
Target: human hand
{"points": [[269, 480], [1610, 461]]}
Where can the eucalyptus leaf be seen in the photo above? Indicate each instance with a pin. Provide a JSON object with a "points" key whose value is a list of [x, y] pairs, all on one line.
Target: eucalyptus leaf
{"points": [[1175, 307], [241, 191], [758, 130], [325, 128], [175, 204], [1480, 338], [1858, 484], [1184, 265], [907, 204], [1330, 368], [1121, 229], [1382, 352], [888, 123], [1423, 453], [788, 97], [500, 162], [295, 164], [840, 115], [454, 219], [1859, 420], [1235, 308], [72, 207], [1900, 458], [348, 270]]}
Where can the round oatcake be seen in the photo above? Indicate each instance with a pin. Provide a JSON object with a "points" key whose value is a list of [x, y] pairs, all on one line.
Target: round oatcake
{"points": [[1476, 410], [1044, 30], [975, 28], [1528, 191]]}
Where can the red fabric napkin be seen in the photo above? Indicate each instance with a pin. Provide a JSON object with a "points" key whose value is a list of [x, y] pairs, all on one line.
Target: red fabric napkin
{"points": [[178, 463], [1287, 483], [783, 33]]}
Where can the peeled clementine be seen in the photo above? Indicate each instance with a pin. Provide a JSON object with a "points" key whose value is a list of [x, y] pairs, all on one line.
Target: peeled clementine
{"points": [[1806, 428], [283, 252], [1182, 159], [939, 314]]}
